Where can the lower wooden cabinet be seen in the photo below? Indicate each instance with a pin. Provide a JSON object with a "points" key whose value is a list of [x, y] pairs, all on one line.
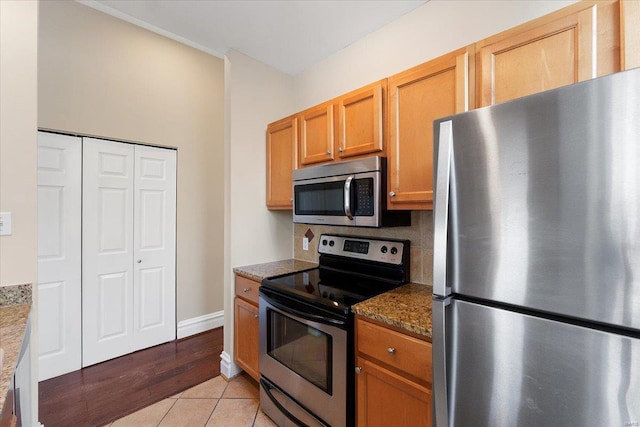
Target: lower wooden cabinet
{"points": [[393, 380], [246, 332]]}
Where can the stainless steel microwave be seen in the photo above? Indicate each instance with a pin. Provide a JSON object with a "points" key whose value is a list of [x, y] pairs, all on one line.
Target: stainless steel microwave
{"points": [[351, 193]]}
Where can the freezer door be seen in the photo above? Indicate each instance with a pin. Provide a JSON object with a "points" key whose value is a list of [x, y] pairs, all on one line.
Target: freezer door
{"points": [[511, 369], [545, 202]]}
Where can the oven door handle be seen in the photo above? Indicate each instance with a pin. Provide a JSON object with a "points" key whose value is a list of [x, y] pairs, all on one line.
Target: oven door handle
{"points": [[283, 304]]}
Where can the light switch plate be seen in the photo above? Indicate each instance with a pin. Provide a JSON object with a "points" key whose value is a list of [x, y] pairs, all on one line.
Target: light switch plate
{"points": [[5, 223], [305, 244]]}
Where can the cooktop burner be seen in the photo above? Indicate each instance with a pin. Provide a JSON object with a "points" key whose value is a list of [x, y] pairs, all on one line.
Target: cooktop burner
{"points": [[352, 269]]}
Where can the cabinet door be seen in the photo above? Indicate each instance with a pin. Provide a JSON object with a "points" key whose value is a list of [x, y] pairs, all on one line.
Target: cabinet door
{"points": [[361, 119], [630, 21], [246, 337], [574, 44], [317, 134], [417, 97], [59, 254], [385, 398], [107, 250], [154, 241], [282, 140]]}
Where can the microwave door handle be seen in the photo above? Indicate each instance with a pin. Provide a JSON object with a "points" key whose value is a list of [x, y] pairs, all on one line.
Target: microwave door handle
{"points": [[347, 197]]}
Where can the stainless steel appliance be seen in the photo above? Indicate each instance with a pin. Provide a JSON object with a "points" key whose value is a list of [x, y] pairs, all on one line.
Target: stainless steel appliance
{"points": [[536, 305], [306, 329], [349, 193]]}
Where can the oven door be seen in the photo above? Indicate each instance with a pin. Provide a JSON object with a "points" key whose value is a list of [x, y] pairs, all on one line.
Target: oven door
{"points": [[339, 200], [303, 358]]}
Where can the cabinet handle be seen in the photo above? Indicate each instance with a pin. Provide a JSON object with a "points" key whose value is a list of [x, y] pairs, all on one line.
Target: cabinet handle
{"points": [[391, 350], [392, 193], [256, 316], [340, 149], [358, 369], [328, 153], [139, 261], [245, 290]]}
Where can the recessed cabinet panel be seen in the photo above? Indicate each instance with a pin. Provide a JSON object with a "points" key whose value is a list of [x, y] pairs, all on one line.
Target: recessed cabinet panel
{"points": [[361, 121], [417, 97], [317, 134], [282, 141]]}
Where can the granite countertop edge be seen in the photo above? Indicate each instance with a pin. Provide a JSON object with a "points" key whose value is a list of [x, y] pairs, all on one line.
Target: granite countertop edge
{"points": [[407, 307], [258, 272], [15, 305]]}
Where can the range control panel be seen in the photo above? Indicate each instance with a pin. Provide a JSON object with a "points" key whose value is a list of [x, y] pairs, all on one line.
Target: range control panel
{"points": [[371, 249]]}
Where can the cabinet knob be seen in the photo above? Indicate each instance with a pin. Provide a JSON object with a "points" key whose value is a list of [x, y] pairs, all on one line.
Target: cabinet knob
{"points": [[358, 369], [391, 350], [392, 193], [328, 153], [256, 316], [340, 149], [139, 261], [245, 290]]}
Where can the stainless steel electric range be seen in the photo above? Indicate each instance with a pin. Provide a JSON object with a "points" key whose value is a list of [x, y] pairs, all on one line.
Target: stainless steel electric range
{"points": [[306, 328]]}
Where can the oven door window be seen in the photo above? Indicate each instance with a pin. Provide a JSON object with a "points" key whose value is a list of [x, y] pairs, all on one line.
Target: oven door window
{"points": [[301, 348]]}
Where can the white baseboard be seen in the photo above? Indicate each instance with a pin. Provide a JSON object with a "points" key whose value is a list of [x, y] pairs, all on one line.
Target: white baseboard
{"points": [[199, 324], [228, 369]]}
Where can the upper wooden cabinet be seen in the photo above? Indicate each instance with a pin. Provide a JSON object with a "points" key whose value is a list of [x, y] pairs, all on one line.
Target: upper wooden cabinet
{"points": [[317, 134], [360, 123], [282, 142], [574, 44], [630, 25], [417, 97]]}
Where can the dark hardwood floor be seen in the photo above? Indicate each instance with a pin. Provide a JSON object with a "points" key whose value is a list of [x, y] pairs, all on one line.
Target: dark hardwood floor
{"points": [[102, 393]]}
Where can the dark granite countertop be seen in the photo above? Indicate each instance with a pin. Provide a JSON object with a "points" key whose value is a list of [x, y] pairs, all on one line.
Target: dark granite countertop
{"points": [[258, 272], [407, 307], [15, 305]]}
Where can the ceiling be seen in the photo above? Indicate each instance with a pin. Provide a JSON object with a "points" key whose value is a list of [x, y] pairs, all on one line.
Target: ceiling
{"points": [[289, 35]]}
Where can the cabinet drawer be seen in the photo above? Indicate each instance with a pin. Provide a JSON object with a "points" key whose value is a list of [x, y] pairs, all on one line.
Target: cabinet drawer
{"points": [[247, 289], [397, 350]]}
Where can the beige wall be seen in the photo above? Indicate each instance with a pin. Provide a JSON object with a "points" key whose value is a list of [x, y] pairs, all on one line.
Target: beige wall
{"points": [[255, 95], [18, 139], [104, 77]]}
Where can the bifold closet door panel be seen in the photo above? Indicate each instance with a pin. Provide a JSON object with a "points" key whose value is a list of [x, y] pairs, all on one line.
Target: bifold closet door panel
{"points": [[59, 254], [154, 315], [107, 249]]}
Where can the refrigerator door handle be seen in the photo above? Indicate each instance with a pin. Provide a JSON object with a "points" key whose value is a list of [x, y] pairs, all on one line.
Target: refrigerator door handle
{"points": [[441, 210], [440, 385]]}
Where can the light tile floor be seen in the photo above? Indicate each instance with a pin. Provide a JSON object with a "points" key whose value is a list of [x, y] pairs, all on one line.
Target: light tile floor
{"points": [[213, 403]]}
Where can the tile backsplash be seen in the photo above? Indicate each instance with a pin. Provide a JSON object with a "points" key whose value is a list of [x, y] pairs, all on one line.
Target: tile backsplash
{"points": [[420, 233]]}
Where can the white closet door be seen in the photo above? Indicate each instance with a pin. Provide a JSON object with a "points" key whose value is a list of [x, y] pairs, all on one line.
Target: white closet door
{"points": [[154, 315], [59, 254], [107, 248]]}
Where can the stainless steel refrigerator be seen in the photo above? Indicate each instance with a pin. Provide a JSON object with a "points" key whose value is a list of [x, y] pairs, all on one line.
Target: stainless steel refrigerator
{"points": [[536, 291]]}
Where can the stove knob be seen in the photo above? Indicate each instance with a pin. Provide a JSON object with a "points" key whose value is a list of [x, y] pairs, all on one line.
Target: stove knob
{"points": [[324, 242], [331, 243], [394, 250], [383, 249]]}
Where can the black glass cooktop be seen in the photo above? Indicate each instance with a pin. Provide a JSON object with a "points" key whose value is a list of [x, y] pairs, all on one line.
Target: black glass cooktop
{"points": [[337, 290]]}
